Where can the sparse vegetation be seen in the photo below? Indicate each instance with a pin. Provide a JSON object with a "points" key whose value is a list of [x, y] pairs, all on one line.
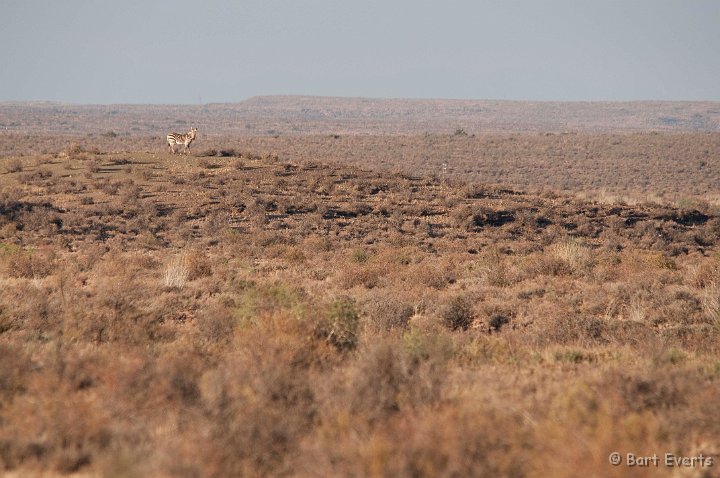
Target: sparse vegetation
{"points": [[263, 314]]}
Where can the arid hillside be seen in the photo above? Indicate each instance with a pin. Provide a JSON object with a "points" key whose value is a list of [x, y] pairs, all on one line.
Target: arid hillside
{"points": [[681, 169], [247, 313]]}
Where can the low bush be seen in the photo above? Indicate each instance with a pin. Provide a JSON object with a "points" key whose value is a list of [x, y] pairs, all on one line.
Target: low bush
{"points": [[385, 312], [340, 325], [14, 165], [28, 263], [458, 314]]}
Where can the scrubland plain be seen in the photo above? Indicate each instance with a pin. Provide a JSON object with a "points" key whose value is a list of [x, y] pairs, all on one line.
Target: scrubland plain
{"points": [[330, 305]]}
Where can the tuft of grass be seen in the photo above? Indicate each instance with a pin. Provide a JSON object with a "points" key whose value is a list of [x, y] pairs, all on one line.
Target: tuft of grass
{"points": [[711, 302], [574, 253], [359, 256], [176, 272]]}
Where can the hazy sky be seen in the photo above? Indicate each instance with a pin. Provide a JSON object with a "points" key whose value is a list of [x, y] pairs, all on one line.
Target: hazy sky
{"points": [[127, 51]]}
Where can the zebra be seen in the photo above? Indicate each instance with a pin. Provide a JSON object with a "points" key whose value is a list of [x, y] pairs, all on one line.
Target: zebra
{"points": [[184, 139]]}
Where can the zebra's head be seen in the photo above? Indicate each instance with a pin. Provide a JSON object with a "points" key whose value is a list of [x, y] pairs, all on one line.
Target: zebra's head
{"points": [[192, 132]]}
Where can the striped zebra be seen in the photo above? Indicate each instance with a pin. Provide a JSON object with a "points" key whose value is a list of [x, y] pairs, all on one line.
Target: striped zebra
{"points": [[184, 139]]}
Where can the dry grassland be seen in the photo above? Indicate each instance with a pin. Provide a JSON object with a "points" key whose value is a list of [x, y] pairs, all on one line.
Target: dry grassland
{"points": [[256, 314], [681, 170]]}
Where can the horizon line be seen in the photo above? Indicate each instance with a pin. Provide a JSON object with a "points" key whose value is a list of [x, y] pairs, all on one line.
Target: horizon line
{"points": [[333, 97]]}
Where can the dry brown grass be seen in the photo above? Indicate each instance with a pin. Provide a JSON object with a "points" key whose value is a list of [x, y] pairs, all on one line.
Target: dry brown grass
{"points": [[631, 168], [165, 317]]}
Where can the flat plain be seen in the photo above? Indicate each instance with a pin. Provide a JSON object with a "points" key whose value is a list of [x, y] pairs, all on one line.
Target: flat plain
{"points": [[408, 289]]}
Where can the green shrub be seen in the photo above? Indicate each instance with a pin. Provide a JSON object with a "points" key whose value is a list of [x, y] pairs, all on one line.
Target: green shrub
{"points": [[340, 325]]}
